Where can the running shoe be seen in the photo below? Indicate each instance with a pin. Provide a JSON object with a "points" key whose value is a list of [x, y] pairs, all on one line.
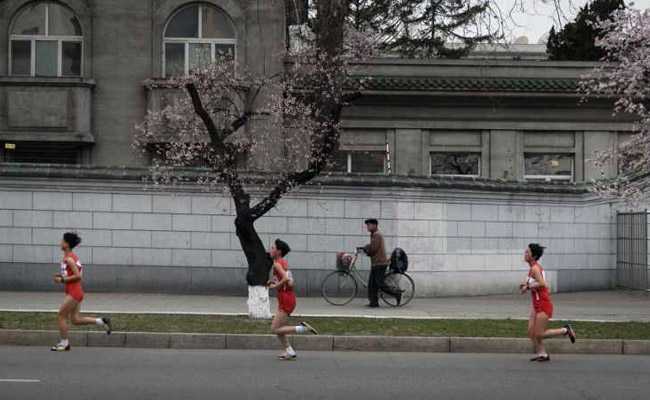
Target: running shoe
{"points": [[544, 358], [570, 333], [287, 357], [107, 324], [310, 328], [60, 347]]}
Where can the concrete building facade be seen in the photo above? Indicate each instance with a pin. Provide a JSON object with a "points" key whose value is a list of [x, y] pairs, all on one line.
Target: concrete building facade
{"points": [[485, 156]]}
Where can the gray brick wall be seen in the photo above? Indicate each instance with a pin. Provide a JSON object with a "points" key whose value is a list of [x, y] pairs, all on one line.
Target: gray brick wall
{"points": [[455, 246]]}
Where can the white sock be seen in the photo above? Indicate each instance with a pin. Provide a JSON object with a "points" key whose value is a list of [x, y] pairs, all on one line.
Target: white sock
{"points": [[64, 342], [301, 329], [291, 351], [99, 321]]}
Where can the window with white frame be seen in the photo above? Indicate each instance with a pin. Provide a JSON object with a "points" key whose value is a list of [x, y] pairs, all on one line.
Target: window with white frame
{"points": [[549, 167], [195, 36], [362, 162], [46, 40], [462, 164]]}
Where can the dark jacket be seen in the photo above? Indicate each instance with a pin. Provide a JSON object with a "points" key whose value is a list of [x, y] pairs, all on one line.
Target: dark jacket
{"points": [[376, 249]]}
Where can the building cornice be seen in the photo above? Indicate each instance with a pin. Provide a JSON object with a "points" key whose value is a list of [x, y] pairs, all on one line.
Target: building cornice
{"points": [[445, 85], [134, 175]]}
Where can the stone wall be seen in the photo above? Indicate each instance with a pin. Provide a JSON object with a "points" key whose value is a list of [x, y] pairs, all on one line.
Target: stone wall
{"points": [[459, 242]]}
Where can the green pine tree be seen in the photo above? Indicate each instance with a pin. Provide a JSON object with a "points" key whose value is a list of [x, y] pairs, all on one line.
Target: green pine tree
{"points": [[365, 15], [576, 41], [425, 28]]}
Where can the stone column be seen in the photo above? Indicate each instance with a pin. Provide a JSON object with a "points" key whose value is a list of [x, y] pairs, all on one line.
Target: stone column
{"points": [[506, 155], [407, 157], [598, 141]]}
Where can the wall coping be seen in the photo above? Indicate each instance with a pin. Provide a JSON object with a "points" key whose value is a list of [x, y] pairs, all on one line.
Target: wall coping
{"points": [[138, 175], [480, 62], [39, 81]]}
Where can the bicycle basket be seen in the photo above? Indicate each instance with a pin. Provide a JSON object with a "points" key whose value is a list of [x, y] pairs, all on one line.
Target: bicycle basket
{"points": [[343, 261]]}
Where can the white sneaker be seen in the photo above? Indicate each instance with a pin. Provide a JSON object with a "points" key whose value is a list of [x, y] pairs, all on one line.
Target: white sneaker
{"points": [[287, 357], [60, 347]]}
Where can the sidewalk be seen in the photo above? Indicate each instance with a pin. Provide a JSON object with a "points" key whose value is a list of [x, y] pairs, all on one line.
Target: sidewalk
{"points": [[588, 306]]}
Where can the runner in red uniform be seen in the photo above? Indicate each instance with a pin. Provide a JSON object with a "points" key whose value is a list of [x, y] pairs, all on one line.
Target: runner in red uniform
{"points": [[70, 275], [283, 282], [542, 307]]}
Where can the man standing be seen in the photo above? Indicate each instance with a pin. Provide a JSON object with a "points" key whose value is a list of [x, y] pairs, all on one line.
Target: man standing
{"points": [[376, 250]]}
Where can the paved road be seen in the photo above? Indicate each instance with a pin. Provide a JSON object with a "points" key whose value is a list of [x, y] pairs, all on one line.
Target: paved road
{"points": [[602, 306], [99, 374]]}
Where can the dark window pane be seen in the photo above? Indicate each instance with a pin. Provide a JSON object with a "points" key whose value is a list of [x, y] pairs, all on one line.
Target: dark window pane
{"points": [[46, 58], [185, 23], [62, 21], [71, 58], [368, 162], [549, 164], [455, 164], [224, 51], [42, 153], [339, 162], [200, 55], [216, 24], [21, 55], [31, 21], [174, 59]]}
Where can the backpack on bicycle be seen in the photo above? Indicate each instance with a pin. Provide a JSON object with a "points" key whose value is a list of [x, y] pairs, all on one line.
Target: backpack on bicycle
{"points": [[399, 261]]}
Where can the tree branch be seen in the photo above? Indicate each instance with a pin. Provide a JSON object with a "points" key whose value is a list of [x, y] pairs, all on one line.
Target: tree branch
{"points": [[350, 97], [200, 110], [217, 136], [320, 154], [291, 180]]}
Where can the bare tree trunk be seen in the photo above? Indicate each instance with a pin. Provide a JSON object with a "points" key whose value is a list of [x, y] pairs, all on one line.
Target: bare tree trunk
{"points": [[258, 260], [259, 267]]}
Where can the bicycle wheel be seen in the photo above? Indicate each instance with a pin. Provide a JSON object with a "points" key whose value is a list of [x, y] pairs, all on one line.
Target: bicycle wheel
{"points": [[339, 288], [402, 287]]}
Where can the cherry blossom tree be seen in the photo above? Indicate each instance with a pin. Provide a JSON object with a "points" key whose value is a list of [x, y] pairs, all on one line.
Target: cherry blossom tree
{"points": [[285, 125], [625, 77]]}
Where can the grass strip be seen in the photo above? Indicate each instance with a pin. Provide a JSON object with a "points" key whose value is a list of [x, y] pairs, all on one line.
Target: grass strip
{"points": [[331, 326]]}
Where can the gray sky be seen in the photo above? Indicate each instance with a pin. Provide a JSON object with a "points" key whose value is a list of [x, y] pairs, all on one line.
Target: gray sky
{"points": [[540, 15]]}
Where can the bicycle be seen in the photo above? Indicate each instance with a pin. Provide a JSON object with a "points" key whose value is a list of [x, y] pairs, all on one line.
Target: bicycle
{"points": [[341, 286]]}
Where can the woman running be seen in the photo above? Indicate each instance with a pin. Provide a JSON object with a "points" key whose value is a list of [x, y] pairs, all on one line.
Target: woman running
{"points": [[70, 276], [283, 282], [542, 309]]}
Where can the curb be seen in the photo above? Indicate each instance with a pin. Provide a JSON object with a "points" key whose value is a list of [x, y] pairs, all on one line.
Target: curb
{"points": [[322, 343], [310, 315]]}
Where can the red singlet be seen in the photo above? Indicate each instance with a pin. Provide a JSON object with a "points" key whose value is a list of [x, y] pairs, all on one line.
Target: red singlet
{"points": [[541, 297], [286, 296], [73, 289]]}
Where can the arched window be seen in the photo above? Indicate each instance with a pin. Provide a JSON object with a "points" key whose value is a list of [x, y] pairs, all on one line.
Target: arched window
{"points": [[196, 35], [46, 40]]}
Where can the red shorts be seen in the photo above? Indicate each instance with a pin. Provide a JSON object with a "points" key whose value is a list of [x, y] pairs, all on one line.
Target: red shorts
{"points": [[287, 301], [544, 306], [76, 292]]}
